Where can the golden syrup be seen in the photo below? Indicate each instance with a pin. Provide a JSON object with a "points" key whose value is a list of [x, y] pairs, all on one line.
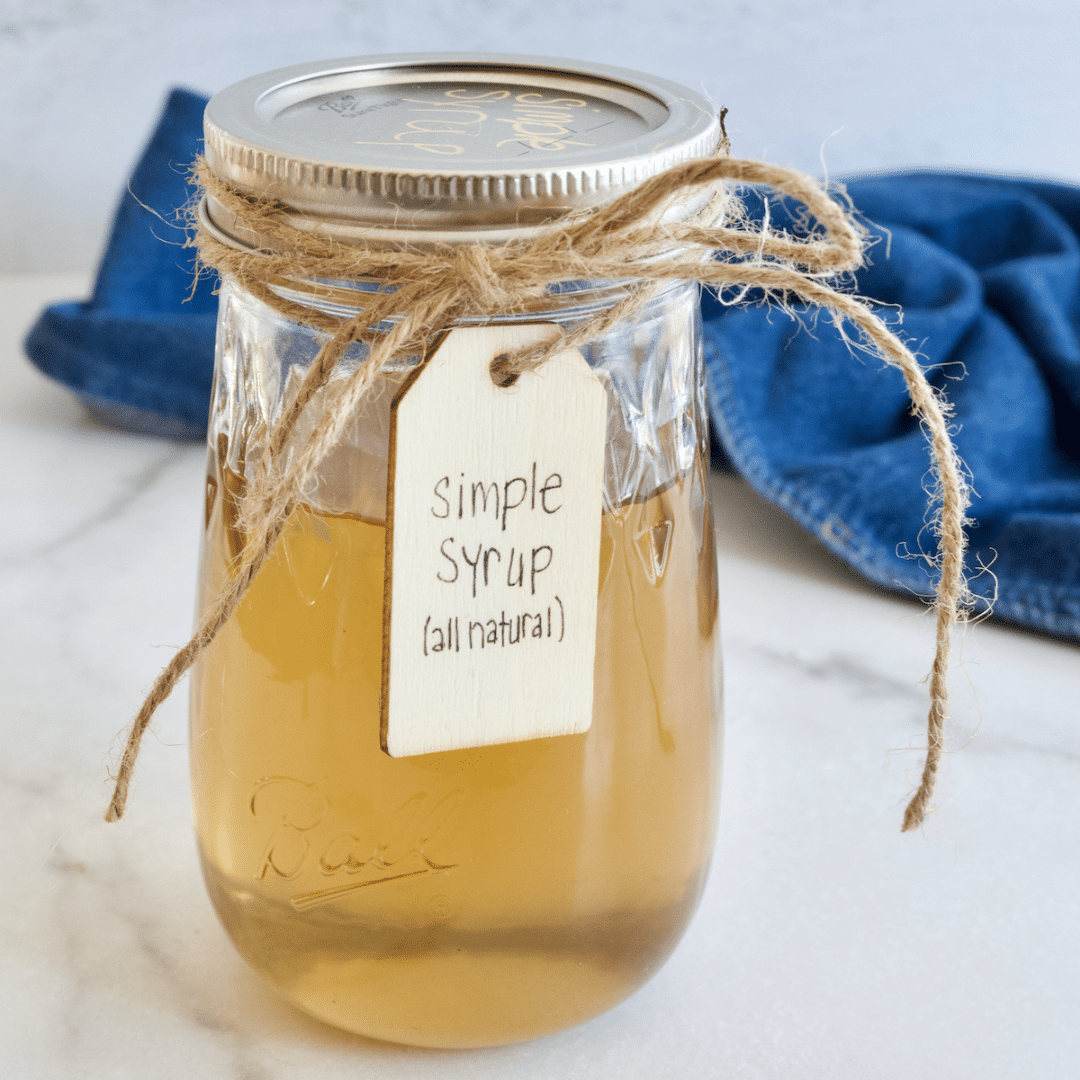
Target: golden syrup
{"points": [[460, 899]]}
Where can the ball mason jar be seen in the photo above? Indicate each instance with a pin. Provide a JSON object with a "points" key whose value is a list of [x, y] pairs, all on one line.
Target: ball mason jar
{"points": [[483, 896]]}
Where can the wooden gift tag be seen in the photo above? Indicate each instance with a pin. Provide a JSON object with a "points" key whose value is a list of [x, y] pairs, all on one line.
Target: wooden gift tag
{"points": [[494, 501]]}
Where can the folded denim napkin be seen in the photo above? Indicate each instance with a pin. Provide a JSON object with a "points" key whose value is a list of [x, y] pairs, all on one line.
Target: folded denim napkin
{"points": [[986, 269], [140, 351]]}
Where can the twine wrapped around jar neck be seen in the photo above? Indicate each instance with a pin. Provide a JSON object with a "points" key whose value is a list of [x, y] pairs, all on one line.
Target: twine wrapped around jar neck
{"points": [[632, 240]]}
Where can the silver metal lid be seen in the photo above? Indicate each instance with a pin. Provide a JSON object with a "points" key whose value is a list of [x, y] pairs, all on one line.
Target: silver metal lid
{"points": [[446, 146]]}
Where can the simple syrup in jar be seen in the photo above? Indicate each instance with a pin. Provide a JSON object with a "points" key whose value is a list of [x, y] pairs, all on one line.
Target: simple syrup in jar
{"points": [[494, 893]]}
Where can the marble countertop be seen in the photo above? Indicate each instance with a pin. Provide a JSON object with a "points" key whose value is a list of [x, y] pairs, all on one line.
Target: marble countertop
{"points": [[827, 944]]}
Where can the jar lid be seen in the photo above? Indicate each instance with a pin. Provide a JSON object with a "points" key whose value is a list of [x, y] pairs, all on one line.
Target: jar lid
{"points": [[445, 147]]}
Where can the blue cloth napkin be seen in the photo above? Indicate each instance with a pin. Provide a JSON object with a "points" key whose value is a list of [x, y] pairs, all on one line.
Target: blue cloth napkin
{"points": [[140, 351], [986, 269]]}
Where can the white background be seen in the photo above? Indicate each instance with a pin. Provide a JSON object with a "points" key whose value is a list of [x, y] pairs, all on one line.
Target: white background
{"points": [[874, 84]]}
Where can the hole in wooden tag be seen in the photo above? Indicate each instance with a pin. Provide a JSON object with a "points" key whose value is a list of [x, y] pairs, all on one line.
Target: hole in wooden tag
{"points": [[499, 375]]}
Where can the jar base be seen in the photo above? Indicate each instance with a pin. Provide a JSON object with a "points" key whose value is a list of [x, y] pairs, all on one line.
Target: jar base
{"points": [[445, 987], [471, 1001]]}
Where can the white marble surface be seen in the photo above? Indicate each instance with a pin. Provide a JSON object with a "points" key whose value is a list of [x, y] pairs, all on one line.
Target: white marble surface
{"points": [[827, 944]]}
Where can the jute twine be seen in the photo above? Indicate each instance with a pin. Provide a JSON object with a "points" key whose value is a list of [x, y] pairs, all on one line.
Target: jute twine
{"points": [[423, 292]]}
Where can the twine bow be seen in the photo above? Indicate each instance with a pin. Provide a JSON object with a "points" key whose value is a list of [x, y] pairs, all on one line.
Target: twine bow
{"points": [[420, 293]]}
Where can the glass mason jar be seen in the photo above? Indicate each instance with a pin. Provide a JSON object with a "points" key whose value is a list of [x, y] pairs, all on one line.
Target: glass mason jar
{"points": [[482, 896]]}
